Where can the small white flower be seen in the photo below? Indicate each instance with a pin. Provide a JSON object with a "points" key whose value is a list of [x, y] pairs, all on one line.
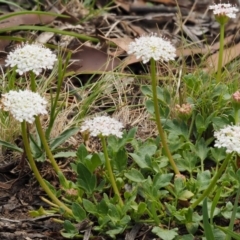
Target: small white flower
{"points": [[152, 46], [224, 9], [23, 105], [229, 138], [104, 126], [31, 57]]}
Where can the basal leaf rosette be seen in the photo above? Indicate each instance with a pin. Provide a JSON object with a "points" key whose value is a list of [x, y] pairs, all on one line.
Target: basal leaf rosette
{"points": [[31, 57], [152, 46], [228, 138], [102, 126], [23, 105]]}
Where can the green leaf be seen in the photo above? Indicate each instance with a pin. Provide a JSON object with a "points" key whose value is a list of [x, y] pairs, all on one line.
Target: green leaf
{"points": [[141, 162], [125, 220], [142, 206], [200, 123], [201, 149], [48, 29], [187, 162], [163, 95], [162, 180], [131, 134], [147, 148], [185, 195], [69, 227], [220, 122], [218, 234], [179, 185], [36, 148], [13, 4], [40, 212], [215, 202], [218, 153], [207, 227], [120, 160], [86, 179], [135, 176], [11, 146], [186, 237], [82, 153], [68, 235], [63, 137], [177, 128], [6, 16], [94, 162], [229, 232], [192, 227], [127, 137], [65, 154], [146, 90], [150, 106], [165, 234], [89, 206], [78, 212], [63, 180], [203, 179], [102, 207], [113, 232]]}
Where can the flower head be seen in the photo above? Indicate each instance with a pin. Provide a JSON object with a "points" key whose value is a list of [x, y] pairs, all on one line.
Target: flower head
{"points": [[229, 138], [31, 57], [236, 97], [184, 111], [224, 9], [23, 105], [103, 126], [152, 46]]}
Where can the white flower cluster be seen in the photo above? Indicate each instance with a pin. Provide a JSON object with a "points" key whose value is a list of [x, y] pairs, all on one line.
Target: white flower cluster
{"points": [[31, 57], [152, 46], [229, 138], [23, 105], [103, 126], [224, 9]]}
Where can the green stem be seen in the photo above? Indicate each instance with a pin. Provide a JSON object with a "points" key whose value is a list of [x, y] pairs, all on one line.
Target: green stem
{"points": [[236, 112], [213, 182], [191, 125], [110, 172], [40, 130], [54, 100], [158, 118], [11, 82], [154, 214], [234, 212], [37, 174], [220, 58], [33, 83], [45, 144]]}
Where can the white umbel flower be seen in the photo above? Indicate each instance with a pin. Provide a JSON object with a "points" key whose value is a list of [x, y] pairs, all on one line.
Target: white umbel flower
{"points": [[224, 9], [229, 138], [102, 126], [23, 105], [152, 46], [31, 57]]}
